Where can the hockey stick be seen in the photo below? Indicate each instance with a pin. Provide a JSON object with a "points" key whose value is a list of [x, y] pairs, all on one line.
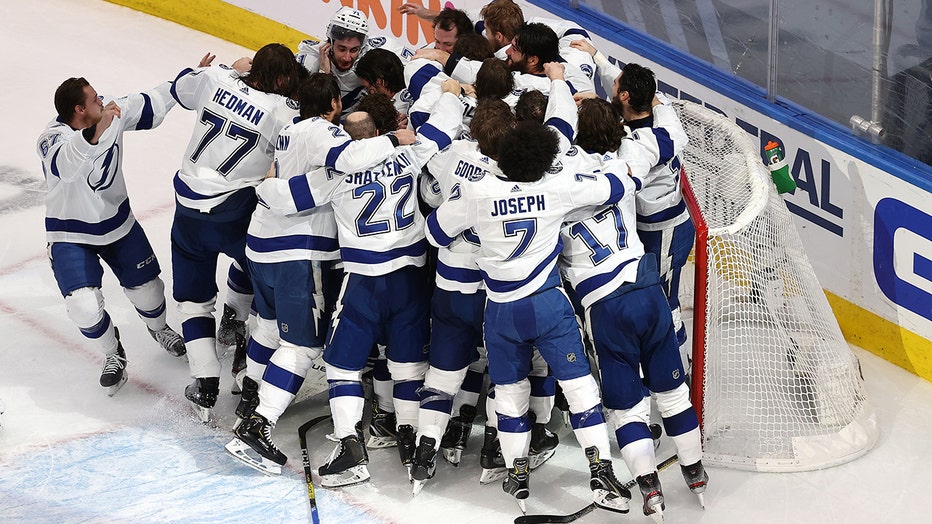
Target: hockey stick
{"points": [[559, 519], [302, 440]]}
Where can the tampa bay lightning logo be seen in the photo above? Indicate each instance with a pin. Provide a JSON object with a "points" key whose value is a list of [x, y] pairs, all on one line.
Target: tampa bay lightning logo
{"points": [[573, 151], [587, 70], [377, 41], [407, 97], [310, 43], [292, 104], [108, 170], [556, 168], [475, 176]]}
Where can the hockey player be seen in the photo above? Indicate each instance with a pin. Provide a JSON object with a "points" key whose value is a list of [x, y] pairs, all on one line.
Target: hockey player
{"points": [[627, 322], [384, 291], [88, 216], [663, 222], [346, 41], [287, 258], [230, 151], [518, 218], [449, 24], [381, 71]]}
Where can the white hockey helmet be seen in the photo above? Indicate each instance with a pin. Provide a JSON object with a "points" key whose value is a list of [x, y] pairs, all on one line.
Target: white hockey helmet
{"points": [[347, 23]]}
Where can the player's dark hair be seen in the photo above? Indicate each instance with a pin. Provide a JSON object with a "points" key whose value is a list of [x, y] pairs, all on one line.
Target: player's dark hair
{"points": [[531, 106], [473, 46], [494, 80], [493, 120], [640, 84], [538, 40], [600, 126], [502, 16], [381, 64], [449, 19], [274, 70], [382, 110], [526, 153], [317, 93], [68, 95]]}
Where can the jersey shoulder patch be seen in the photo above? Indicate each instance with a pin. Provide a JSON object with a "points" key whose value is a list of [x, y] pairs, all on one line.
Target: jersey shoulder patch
{"points": [[555, 168], [292, 104], [310, 43], [376, 41], [572, 151], [587, 70]]}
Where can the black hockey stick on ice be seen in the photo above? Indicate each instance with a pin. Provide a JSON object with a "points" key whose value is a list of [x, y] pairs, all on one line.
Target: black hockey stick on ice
{"points": [[559, 519], [302, 440]]}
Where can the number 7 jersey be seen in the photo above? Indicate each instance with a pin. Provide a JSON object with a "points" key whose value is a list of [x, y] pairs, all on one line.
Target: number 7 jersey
{"points": [[233, 142]]}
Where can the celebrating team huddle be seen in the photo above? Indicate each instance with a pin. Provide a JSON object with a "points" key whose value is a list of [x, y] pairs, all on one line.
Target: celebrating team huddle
{"points": [[460, 220]]}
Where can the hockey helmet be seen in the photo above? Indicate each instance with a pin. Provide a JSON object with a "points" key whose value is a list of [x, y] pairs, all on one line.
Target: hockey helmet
{"points": [[348, 23]]}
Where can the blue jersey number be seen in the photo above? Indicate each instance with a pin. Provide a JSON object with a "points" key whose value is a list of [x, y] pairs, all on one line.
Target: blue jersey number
{"points": [[216, 124], [526, 228], [375, 193], [599, 250]]}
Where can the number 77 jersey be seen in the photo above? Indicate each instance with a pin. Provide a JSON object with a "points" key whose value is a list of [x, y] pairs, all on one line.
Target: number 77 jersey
{"points": [[233, 142], [519, 224]]}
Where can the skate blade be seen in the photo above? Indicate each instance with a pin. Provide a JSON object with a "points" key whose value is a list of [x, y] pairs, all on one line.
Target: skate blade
{"points": [[701, 498], [202, 413], [241, 451], [657, 515], [452, 455], [112, 390], [522, 504], [381, 442], [239, 420], [537, 460], [607, 500], [352, 476], [492, 475], [417, 486], [566, 418]]}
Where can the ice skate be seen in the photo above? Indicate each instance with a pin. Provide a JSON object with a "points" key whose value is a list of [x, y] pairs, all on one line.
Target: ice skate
{"points": [[230, 327], [406, 447], [490, 458], [653, 496], [347, 463], [238, 367], [254, 437], [113, 375], [543, 445], [656, 431], [455, 437], [382, 432], [203, 395], [170, 341], [607, 492], [425, 463], [248, 401], [516, 482], [696, 479]]}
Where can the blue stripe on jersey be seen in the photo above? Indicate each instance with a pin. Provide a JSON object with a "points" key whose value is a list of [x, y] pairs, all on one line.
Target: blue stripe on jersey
{"points": [[350, 98], [421, 78], [436, 232], [334, 153], [505, 286], [147, 116], [618, 189], [572, 88], [458, 274], [365, 256], [562, 126], [418, 118], [665, 143], [435, 135], [577, 31], [185, 191], [55, 164], [284, 243], [666, 214], [597, 281], [301, 193], [175, 93], [637, 183], [103, 227]]}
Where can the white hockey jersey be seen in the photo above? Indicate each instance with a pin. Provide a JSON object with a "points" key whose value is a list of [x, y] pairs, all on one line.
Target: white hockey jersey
{"points": [[87, 201], [351, 90], [598, 251], [465, 71], [380, 227], [233, 143], [314, 146]]}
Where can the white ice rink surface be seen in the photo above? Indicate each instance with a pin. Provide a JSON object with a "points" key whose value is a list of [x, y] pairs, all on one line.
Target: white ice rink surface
{"points": [[69, 453]]}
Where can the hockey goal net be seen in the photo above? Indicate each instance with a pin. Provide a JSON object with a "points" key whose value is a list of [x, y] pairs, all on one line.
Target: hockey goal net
{"points": [[775, 384]]}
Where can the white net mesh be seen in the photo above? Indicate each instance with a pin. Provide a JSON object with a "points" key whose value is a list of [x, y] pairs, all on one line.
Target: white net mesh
{"points": [[782, 390]]}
